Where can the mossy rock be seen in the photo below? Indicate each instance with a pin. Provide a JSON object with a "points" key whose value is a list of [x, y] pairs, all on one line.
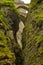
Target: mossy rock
{"points": [[7, 10]]}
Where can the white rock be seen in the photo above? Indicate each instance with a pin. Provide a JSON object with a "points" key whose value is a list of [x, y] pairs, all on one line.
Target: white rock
{"points": [[19, 33]]}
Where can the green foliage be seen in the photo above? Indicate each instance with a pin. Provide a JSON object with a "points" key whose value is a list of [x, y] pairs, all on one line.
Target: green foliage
{"points": [[3, 20], [7, 3], [7, 56], [32, 52]]}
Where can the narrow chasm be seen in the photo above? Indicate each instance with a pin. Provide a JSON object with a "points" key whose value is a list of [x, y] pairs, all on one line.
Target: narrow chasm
{"points": [[18, 50]]}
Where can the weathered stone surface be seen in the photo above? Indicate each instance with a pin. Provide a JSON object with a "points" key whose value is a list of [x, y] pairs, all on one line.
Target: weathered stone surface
{"points": [[19, 33]]}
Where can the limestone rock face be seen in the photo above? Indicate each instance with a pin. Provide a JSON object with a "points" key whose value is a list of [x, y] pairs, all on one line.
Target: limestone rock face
{"points": [[32, 41], [19, 34]]}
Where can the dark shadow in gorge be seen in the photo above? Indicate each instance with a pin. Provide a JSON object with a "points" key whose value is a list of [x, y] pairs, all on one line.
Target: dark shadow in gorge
{"points": [[18, 54]]}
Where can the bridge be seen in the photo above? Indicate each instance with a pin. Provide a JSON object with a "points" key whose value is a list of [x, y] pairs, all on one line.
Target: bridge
{"points": [[23, 8], [21, 4]]}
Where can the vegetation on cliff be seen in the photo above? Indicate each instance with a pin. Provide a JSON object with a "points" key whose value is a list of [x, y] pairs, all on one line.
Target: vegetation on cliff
{"points": [[32, 52], [8, 19], [32, 35]]}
